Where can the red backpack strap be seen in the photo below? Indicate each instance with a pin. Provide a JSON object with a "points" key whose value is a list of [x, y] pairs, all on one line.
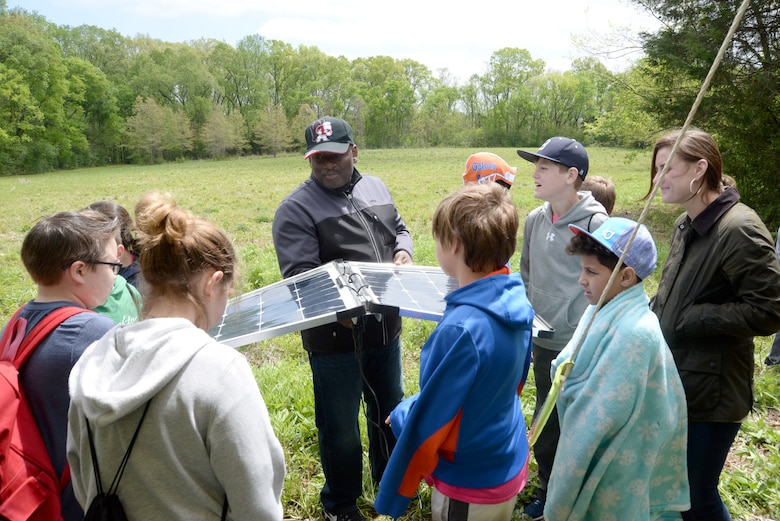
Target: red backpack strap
{"points": [[18, 347], [42, 329], [11, 339]]}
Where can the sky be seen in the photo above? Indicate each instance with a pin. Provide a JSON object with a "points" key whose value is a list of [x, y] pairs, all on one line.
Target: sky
{"points": [[455, 35]]}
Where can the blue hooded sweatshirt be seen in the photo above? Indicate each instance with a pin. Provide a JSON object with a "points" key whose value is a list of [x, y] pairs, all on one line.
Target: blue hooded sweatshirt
{"points": [[465, 426]]}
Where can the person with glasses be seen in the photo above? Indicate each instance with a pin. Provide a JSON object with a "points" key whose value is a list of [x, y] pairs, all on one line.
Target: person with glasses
{"points": [[71, 258], [123, 305], [340, 214]]}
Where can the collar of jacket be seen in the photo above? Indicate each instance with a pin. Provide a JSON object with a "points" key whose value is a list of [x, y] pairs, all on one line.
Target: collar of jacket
{"points": [[706, 219]]}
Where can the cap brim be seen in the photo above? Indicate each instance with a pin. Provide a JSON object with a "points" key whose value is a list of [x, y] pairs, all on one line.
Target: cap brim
{"points": [[576, 230], [329, 147], [528, 156]]}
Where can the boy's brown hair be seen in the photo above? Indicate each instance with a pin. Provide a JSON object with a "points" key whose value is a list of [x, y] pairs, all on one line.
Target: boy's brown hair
{"points": [[602, 189], [58, 240], [483, 218]]}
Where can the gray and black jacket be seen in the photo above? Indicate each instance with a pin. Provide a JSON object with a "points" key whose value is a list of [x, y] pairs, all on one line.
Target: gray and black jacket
{"points": [[549, 273], [315, 225]]}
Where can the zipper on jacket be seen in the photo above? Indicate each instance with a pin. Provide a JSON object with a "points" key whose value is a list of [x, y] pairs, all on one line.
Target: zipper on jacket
{"points": [[362, 218]]}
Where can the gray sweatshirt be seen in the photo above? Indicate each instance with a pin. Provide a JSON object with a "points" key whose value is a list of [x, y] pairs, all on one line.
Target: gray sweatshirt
{"points": [[549, 273], [207, 432]]}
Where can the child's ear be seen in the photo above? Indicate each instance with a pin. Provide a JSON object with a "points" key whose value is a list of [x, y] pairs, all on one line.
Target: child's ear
{"points": [[75, 273], [628, 276], [211, 283], [572, 174]]}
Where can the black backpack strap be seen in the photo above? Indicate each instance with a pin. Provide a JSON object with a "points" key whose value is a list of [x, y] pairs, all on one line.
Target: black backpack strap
{"points": [[225, 509], [118, 476]]}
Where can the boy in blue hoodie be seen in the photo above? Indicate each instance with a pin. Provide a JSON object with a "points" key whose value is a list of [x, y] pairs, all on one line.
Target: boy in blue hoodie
{"points": [[464, 432]]}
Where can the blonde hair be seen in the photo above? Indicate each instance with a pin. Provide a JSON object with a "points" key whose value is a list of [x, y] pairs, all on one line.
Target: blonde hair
{"points": [[484, 220], [176, 247]]}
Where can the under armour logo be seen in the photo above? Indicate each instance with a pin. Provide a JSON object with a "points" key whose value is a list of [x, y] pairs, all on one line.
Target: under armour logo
{"points": [[550, 236]]}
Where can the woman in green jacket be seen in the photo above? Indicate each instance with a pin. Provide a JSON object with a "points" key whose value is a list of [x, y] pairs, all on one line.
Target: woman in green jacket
{"points": [[720, 286]]}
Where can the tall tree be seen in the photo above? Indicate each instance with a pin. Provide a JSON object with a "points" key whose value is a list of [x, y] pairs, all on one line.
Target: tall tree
{"points": [[272, 131], [223, 134], [389, 98], [505, 92], [44, 138], [154, 132], [741, 109]]}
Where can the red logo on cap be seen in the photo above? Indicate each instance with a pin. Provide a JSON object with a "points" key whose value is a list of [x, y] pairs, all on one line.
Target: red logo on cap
{"points": [[323, 131]]}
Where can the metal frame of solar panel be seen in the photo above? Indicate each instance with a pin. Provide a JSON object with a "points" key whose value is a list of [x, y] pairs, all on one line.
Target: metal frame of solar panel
{"points": [[338, 290]]}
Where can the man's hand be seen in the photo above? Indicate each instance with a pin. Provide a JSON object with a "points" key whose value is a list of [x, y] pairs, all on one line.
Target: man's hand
{"points": [[402, 257]]}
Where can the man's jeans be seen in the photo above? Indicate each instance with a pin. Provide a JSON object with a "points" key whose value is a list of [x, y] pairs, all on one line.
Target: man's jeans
{"points": [[340, 380]]}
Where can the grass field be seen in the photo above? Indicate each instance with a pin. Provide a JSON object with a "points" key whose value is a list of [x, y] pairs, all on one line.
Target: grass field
{"points": [[241, 196]]}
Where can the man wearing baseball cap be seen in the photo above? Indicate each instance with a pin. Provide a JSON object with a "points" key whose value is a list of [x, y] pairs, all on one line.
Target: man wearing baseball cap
{"points": [[340, 214], [623, 395], [550, 275]]}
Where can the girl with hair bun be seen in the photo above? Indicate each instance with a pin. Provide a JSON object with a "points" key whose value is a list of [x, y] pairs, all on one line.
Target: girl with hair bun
{"points": [[206, 442]]}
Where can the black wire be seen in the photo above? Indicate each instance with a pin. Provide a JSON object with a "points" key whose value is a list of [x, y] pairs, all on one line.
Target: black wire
{"points": [[358, 328]]}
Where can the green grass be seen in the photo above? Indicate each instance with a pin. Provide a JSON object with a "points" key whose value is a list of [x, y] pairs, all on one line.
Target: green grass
{"points": [[241, 196]]}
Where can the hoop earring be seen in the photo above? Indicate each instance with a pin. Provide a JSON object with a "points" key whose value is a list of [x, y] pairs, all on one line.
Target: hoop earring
{"points": [[690, 187]]}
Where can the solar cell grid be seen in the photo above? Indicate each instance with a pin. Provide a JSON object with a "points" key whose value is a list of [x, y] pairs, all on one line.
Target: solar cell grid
{"points": [[336, 291]]}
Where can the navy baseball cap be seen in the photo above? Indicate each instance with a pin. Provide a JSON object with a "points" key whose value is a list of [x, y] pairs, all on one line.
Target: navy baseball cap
{"points": [[328, 134], [614, 234], [566, 151]]}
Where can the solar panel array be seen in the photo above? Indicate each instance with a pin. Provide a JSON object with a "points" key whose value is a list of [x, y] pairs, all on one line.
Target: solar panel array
{"points": [[337, 291]]}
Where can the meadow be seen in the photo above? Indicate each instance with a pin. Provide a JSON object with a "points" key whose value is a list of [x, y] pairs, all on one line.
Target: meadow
{"points": [[241, 196]]}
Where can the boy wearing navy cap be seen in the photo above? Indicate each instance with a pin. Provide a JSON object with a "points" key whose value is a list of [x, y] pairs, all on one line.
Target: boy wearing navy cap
{"points": [[550, 275], [622, 410]]}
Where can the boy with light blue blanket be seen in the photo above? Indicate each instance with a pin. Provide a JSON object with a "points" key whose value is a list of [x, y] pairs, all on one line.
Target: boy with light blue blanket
{"points": [[622, 450]]}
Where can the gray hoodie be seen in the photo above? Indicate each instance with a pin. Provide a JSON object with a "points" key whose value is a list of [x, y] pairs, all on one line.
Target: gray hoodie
{"points": [[549, 273], [207, 432]]}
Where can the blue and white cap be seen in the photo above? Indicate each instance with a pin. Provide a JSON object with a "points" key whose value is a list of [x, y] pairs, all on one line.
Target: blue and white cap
{"points": [[614, 234]]}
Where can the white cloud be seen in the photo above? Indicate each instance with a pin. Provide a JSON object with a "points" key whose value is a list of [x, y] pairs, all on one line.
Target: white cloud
{"points": [[459, 35]]}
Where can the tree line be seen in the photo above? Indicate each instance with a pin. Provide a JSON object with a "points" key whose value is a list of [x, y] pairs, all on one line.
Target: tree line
{"points": [[86, 96]]}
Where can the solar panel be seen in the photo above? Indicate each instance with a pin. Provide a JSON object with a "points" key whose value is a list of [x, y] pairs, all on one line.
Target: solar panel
{"points": [[337, 291], [417, 291]]}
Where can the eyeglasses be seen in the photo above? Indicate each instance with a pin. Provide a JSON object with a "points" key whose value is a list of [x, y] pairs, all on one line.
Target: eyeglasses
{"points": [[115, 266]]}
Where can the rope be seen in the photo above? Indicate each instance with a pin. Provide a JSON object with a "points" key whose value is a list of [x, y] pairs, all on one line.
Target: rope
{"points": [[566, 366]]}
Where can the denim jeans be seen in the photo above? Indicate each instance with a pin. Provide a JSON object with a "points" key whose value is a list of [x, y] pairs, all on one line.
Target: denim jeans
{"points": [[340, 380], [708, 447]]}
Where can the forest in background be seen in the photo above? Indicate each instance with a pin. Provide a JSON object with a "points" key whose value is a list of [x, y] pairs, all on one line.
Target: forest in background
{"points": [[87, 96]]}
